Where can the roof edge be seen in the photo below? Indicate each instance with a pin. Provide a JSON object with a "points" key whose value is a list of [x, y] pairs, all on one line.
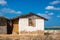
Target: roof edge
{"points": [[30, 13]]}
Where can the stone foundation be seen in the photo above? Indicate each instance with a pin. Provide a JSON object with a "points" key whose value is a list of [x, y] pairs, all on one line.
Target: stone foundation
{"points": [[38, 32]]}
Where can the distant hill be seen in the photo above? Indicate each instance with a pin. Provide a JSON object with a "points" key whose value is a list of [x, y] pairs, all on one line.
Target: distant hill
{"points": [[53, 28]]}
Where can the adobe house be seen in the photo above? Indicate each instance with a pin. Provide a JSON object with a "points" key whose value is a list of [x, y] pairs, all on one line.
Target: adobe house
{"points": [[29, 23], [5, 27]]}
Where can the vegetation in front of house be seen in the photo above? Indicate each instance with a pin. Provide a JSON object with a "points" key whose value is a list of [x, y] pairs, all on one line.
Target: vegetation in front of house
{"points": [[28, 37]]}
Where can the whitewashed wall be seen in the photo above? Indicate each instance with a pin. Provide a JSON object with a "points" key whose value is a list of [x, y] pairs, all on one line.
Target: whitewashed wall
{"points": [[23, 25]]}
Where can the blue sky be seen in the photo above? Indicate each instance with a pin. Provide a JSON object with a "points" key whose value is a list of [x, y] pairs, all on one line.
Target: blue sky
{"points": [[49, 9]]}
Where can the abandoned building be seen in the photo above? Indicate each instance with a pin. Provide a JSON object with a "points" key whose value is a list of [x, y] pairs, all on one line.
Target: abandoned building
{"points": [[29, 23]]}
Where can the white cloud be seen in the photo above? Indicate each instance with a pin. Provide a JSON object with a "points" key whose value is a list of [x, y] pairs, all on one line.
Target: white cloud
{"points": [[50, 14], [46, 11], [18, 12], [55, 2], [3, 2], [58, 16], [44, 15], [52, 8], [49, 7], [8, 10]]}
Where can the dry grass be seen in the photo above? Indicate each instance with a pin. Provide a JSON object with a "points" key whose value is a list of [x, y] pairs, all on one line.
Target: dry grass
{"points": [[29, 37]]}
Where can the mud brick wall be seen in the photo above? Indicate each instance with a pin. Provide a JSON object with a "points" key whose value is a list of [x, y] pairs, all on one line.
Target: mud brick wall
{"points": [[3, 29]]}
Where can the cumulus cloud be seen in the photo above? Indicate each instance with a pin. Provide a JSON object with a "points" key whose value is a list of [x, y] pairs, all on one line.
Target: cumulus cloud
{"points": [[44, 15], [52, 8], [55, 2], [8, 10], [49, 7], [18, 12], [58, 16], [50, 14], [3, 2], [46, 11]]}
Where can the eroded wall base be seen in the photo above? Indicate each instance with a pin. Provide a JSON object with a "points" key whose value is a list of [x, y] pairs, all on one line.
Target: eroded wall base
{"points": [[38, 32]]}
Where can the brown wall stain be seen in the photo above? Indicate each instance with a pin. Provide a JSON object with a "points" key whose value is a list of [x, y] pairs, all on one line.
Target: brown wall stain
{"points": [[15, 26]]}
